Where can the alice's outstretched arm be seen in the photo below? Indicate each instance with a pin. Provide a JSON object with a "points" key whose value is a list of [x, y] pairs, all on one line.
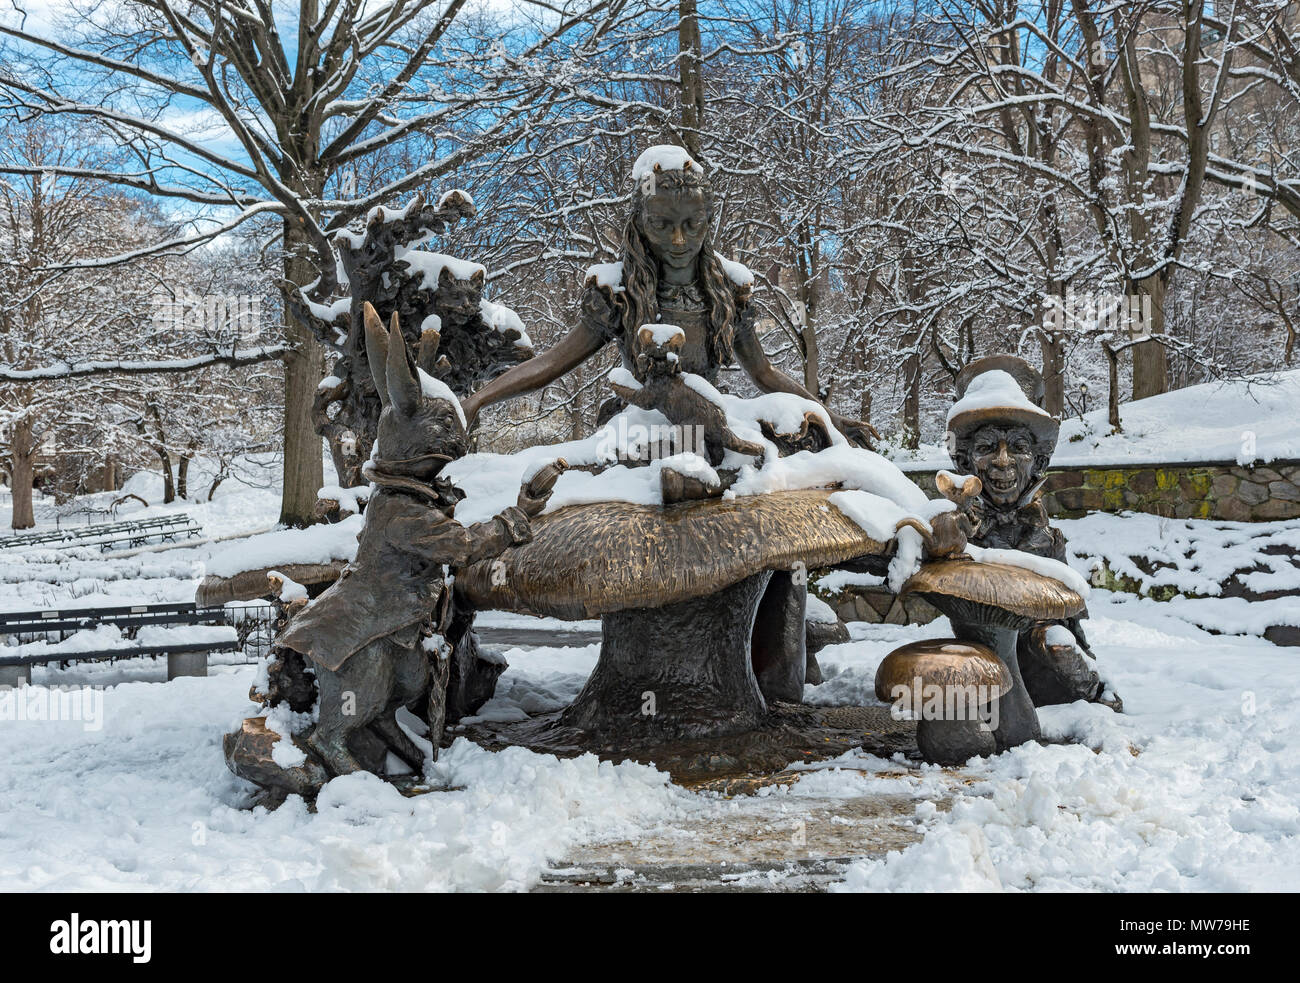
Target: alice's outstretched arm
{"points": [[571, 351], [768, 378]]}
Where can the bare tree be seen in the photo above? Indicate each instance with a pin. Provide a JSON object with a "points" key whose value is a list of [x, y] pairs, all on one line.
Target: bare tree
{"points": [[54, 326], [286, 120]]}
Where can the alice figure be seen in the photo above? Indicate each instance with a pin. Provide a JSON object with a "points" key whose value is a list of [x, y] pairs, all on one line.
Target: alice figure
{"points": [[669, 274]]}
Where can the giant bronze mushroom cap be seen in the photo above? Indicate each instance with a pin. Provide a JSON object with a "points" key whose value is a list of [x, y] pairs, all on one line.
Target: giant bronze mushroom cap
{"points": [[588, 560], [993, 594], [943, 662]]}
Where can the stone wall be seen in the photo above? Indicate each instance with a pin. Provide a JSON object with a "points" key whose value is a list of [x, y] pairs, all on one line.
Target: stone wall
{"points": [[1179, 491]]}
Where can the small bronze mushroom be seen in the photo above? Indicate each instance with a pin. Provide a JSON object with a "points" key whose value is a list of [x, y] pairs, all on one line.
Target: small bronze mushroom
{"points": [[949, 686], [991, 603]]}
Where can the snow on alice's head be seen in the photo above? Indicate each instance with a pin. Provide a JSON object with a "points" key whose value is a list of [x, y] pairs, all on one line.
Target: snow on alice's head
{"points": [[674, 206]]}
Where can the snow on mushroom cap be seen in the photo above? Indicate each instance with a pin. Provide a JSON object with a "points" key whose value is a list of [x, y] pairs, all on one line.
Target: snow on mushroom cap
{"points": [[1044, 566], [664, 157], [994, 389]]}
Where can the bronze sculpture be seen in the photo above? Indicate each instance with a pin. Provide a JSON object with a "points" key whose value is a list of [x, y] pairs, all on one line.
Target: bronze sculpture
{"points": [[686, 649], [992, 605], [385, 635], [668, 273], [705, 644], [926, 678], [385, 268], [688, 410], [1000, 433]]}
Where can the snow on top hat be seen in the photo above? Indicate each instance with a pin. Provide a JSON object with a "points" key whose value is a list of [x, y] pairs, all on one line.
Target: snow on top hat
{"points": [[1002, 392], [659, 159], [1027, 377]]}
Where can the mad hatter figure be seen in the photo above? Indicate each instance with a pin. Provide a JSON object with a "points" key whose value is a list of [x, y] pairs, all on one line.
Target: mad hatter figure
{"points": [[999, 432]]}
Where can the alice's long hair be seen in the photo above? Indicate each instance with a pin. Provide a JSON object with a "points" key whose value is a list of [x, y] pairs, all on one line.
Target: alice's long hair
{"points": [[641, 272]]}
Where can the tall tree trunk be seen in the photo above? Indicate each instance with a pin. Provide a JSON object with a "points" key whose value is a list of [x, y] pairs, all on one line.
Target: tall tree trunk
{"points": [[183, 472], [1053, 350], [169, 481], [912, 401], [1051, 335], [1150, 358], [806, 271], [912, 364], [22, 453], [1112, 387], [304, 366], [158, 441], [811, 357], [806, 315], [692, 85]]}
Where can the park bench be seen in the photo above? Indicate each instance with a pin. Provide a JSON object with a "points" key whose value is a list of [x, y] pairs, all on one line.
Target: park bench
{"points": [[134, 532], [49, 635]]}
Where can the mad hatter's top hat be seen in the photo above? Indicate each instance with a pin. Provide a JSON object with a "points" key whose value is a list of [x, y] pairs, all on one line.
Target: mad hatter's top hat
{"points": [[1002, 389]]}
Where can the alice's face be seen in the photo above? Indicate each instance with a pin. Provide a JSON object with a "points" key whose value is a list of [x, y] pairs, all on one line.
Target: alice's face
{"points": [[675, 226], [1003, 458]]}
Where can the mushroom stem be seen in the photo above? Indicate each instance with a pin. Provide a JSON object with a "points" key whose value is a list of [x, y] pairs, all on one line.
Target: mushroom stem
{"points": [[1017, 721], [778, 645], [679, 671], [953, 742]]}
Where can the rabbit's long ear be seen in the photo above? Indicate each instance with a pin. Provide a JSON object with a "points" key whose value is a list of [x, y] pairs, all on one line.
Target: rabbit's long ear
{"points": [[403, 387], [377, 352]]}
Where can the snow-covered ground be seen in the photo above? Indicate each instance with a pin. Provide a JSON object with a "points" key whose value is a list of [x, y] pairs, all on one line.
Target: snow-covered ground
{"points": [[1249, 421], [43, 577], [1195, 787]]}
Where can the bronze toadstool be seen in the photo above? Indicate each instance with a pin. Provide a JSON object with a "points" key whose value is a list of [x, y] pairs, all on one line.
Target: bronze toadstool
{"points": [[949, 685], [991, 603], [726, 575]]}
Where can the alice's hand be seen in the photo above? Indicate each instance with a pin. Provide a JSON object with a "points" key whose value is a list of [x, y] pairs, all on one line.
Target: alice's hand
{"points": [[470, 406], [859, 432]]}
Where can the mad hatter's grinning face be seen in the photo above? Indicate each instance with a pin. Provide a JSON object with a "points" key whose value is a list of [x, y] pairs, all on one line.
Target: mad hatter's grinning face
{"points": [[1004, 458]]}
